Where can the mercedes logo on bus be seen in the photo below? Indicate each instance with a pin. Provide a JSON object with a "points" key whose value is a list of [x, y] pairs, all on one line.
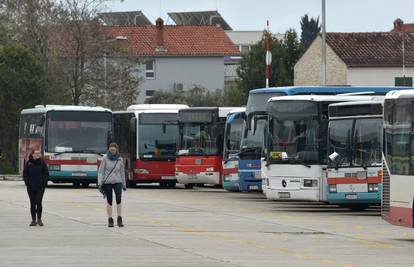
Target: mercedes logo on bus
{"points": [[284, 183]]}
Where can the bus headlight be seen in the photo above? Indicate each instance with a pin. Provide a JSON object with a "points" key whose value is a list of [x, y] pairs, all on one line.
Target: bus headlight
{"points": [[372, 187], [141, 171], [332, 188], [310, 183], [53, 167], [210, 169]]}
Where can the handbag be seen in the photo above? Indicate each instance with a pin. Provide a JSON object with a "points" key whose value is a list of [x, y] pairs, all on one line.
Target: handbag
{"points": [[100, 188]]}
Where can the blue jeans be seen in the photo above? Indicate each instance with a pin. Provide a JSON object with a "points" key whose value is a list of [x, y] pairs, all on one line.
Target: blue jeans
{"points": [[108, 192]]}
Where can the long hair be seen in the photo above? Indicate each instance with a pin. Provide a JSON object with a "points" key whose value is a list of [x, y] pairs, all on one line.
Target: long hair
{"points": [[31, 154]]}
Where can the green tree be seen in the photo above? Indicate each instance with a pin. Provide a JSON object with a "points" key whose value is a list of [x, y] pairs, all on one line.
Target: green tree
{"points": [[21, 86], [285, 54], [310, 29], [197, 97]]}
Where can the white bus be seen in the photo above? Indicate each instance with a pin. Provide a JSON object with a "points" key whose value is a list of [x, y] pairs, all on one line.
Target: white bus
{"points": [[147, 136], [72, 140], [296, 146], [398, 154], [355, 153]]}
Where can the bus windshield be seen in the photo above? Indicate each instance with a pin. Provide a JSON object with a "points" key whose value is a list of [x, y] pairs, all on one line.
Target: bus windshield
{"points": [[257, 102], [233, 138], [157, 136], [294, 129], [78, 131], [199, 139], [357, 141]]}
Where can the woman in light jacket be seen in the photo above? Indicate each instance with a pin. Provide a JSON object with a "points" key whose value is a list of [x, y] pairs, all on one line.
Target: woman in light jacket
{"points": [[111, 177]]}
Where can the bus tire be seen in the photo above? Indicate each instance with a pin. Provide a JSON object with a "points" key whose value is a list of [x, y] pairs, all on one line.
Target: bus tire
{"points": [[85, 185], [131, 184], [359, 207], [189, 186], [163, 184], [76, 184], [171, 184]]}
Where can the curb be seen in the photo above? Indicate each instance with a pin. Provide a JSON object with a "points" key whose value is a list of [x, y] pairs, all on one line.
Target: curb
{"points": [[10, 177]]}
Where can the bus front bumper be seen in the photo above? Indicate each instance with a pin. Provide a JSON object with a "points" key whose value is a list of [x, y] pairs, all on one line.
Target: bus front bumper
{"points": [[68, 176], [355, 197], [231, 182], [250, 180], [293, 195], [198, 178]]}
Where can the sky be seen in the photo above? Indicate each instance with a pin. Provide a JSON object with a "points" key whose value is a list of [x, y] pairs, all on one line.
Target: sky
{"points": [[341, 15]]}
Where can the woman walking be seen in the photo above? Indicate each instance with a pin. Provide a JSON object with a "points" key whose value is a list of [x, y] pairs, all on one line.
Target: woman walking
{"points": [[111, 177], [35, 176]]}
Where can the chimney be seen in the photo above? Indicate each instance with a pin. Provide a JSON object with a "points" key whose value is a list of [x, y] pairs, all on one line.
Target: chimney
{"points": [[159, 25], [398, 24]]}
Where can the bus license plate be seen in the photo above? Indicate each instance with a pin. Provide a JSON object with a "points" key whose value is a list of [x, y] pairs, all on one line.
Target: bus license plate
{"points": [[254, 187], [258, 175], [79, 174], [284, 195], [168, 178], [351, 196]]}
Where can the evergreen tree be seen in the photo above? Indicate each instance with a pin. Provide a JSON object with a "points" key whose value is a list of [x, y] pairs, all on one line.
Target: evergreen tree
{"points": [[310, 29]]}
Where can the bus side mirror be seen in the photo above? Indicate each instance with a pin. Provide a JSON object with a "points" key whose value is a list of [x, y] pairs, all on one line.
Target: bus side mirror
{"points": [[109, 137], [42, 121]]}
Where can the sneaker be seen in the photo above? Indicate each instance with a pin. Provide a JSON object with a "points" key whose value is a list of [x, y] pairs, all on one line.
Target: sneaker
{"points": [[120, 223], [39, 222], [33, 223], [110, 222]]}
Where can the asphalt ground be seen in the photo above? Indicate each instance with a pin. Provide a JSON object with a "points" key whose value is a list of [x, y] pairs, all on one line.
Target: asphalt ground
{"points": [[198, 227]]}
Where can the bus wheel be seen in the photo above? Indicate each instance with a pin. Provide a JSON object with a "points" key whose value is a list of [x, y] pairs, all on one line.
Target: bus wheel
{"points": [[171, 184], [76, 184], [163, 184], [85, 185], [189, 186], [360, 207], [131, 184]]}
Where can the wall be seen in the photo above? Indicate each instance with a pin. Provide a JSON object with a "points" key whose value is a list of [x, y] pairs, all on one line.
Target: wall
{"points": [[307, 70], [376, 76], [207, 72]]}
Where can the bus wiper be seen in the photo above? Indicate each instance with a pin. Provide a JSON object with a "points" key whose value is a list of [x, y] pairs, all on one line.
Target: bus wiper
{"points": [[301, 162], [88, 151]]}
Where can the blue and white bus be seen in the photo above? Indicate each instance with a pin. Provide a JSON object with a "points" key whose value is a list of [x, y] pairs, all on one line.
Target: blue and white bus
{"points": [[252, 140], [232, 137]]}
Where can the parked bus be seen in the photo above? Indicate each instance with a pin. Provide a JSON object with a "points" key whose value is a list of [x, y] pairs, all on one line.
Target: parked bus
{"points": [[398, 164], [147, 137], [200, 150], [72, 140], [252, 142], [355, 150], [232, 137], [296, 146]]}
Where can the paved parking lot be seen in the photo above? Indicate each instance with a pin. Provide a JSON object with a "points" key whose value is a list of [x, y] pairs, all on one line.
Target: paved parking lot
{"points": [[200, 227]]}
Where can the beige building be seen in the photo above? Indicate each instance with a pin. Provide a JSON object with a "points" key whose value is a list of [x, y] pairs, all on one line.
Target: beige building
{"points": [[364, 59]]}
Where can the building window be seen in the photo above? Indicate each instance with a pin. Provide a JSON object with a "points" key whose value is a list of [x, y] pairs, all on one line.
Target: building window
{"points": [[244, 49], [149, 93], [150, 69]]}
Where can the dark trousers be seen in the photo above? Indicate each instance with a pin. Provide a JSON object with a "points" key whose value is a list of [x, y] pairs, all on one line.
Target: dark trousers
{"points": [[117, 188], [36, 197]]}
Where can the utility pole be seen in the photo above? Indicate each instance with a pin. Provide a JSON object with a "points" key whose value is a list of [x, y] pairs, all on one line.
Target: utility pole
{"points": [[268, 55], [323, 74]]}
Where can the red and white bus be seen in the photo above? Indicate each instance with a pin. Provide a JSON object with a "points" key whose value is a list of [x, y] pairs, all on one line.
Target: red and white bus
{"points": [[147, 137], [398, 154], [200, 150], [72, 140]]}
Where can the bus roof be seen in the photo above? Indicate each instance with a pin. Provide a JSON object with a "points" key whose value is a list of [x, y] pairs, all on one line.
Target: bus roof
{"points": [[400, 94], [157, 107], [321, 98], [223, 111], [294, 90], [238, 110], [47, 108]]}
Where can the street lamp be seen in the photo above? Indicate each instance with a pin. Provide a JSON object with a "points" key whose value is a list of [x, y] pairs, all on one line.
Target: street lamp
{"points": [[117, 38]]}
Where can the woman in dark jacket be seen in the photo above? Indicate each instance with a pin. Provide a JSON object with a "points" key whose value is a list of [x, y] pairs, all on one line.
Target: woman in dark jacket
{"points": [[35, 175]]}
